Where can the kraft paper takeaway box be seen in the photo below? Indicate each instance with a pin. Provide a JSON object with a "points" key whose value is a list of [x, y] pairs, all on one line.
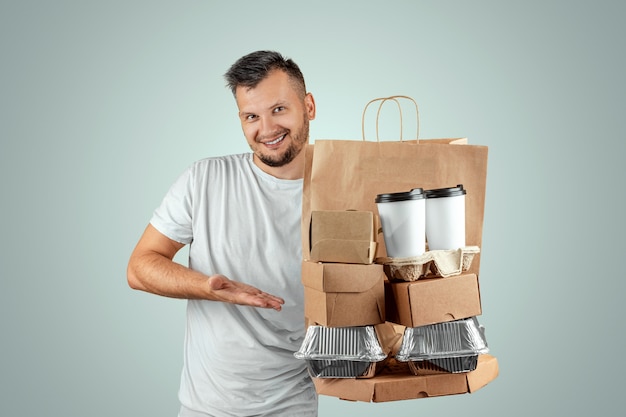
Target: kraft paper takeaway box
{"points": [[343, 236], [343, 295], [432, 300]]}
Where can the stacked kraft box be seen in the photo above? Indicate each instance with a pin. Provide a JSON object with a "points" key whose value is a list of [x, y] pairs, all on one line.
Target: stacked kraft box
{"points": [[348, 297]]}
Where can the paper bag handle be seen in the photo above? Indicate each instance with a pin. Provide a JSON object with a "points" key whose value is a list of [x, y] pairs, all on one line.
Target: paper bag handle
{"points": [[383, 100]]}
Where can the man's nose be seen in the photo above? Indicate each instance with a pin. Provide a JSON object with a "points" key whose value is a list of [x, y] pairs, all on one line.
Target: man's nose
{"points": [[267, 127]]}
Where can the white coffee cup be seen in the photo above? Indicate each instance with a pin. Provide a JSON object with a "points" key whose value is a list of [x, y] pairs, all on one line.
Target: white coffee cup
{"points": [[445, 218], [402, 217]]}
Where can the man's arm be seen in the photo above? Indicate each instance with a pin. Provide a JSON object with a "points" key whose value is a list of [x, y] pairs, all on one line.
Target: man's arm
{"points": [[151, 268]]}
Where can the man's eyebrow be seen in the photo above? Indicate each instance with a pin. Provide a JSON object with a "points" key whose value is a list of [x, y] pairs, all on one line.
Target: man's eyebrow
{"points": [[279, 103]]}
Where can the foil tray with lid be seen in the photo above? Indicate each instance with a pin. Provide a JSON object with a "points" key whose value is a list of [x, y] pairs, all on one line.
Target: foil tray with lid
{"points": [[448, 347], [341, 352]]}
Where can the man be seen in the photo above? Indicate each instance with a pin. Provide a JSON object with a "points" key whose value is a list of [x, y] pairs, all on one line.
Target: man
{"points": [[240, 214]]}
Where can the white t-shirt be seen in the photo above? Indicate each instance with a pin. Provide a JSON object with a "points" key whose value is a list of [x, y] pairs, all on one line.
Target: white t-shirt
{"points": [[244, 224]]}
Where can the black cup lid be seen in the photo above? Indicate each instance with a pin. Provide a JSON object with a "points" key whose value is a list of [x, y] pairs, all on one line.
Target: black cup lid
{"points": [[446, 192], [414, 194]]}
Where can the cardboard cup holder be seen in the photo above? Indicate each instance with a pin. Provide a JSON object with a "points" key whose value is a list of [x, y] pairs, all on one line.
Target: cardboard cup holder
{"points": [[435, 263]]}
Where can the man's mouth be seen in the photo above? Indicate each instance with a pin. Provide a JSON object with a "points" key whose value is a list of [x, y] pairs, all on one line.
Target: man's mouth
{"points": [[276, 141]]}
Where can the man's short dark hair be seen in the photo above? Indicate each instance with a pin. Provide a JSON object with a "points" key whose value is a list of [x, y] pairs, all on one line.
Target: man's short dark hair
{"points": [[253, 68]]}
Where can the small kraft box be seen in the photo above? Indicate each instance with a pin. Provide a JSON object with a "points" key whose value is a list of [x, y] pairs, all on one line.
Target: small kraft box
{"points": [[343, 295], [343, 236], [432, 300]]}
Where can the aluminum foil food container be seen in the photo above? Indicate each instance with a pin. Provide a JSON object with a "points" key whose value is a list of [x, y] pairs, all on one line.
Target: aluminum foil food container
{"points": [[451, 346], [337, 368], [443, 365], [341, 352]]}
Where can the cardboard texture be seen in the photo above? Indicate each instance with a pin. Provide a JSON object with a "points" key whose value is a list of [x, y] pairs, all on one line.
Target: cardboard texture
{"points": [[348, 174], [342, 295], [390, 340], [396, 383], [432, 300], [389, 337], [343, 236]]}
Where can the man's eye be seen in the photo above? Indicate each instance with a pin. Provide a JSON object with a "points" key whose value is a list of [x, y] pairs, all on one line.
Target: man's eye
{"points": [[279, 109], [250, 117]]}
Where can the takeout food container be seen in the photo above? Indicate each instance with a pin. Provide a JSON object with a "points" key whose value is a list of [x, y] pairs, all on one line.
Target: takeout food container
{"points": [[447, 347], [344, 236], [341, 352], [432, 300], [343, 295], [444, 365]]}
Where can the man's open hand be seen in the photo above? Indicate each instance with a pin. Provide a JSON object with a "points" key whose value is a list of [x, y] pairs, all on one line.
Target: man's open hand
{"points": [[235, 292]]}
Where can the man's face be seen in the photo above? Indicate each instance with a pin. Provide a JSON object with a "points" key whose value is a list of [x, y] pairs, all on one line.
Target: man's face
{"points": [[275, 119]]}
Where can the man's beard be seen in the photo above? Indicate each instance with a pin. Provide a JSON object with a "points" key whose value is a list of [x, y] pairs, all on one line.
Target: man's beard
{"points": [[297, 143]]}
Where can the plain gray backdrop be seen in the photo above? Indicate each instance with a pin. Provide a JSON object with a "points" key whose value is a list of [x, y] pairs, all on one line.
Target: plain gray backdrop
{"points": [[104, 103]]}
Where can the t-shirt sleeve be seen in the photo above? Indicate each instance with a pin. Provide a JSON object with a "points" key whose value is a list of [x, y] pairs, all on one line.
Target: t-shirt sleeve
{"points": [[173, 217]]}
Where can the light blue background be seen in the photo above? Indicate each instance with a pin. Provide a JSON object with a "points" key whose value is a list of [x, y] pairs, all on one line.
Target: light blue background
{"points": [[102, 104]]}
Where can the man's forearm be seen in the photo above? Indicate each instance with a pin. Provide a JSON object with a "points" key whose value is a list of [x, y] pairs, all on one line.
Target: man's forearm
{"points": [[155, 273], [151, 268]]}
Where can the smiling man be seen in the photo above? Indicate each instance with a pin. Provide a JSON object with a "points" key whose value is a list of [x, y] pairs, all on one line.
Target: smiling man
{"points": [[240, 214], [275, 113]]}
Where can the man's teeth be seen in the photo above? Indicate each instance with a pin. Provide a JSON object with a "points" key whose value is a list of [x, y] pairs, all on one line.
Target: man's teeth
{"points": [[274, 142]]}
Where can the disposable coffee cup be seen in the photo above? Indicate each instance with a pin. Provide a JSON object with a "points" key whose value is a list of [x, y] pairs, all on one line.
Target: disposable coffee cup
{"points": [[445, 218], [402, 217]]}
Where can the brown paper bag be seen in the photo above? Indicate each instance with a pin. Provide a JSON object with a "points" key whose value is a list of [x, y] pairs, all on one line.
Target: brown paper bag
{"points": [[348, 174]]}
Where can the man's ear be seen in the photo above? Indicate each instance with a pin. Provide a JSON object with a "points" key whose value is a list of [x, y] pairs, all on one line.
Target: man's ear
{"points": [[309, 102]]}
